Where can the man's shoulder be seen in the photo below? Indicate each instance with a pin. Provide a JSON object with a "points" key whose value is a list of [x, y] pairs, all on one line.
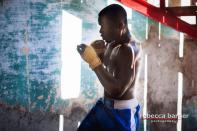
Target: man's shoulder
{"points": [[136, 46], [122, 52], [125, 49]]}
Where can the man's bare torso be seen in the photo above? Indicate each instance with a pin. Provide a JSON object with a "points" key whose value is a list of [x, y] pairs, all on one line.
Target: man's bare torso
{"points": [[110, 59]]}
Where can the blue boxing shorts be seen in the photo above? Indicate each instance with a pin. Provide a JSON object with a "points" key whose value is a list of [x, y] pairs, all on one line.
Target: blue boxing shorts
{"points": [[112, 115]]}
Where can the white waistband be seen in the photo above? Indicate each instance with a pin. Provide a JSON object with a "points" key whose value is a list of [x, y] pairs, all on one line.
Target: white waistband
{"points": [[124, 104]]}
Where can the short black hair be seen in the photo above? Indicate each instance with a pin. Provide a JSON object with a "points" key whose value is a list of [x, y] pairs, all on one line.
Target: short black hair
{"points": [[114, 12]]}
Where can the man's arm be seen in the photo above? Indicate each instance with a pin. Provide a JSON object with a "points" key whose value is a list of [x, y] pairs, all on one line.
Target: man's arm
{"points": [[116, 85]]}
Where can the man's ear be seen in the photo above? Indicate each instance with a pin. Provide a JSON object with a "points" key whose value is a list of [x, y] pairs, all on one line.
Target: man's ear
{"points": [[122, 28], [121, 25]]}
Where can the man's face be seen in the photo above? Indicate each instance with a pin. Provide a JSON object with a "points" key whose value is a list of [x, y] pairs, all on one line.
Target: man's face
{"points": [[108, 30]]}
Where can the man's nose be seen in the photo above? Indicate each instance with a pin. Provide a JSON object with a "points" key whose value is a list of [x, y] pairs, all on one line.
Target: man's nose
{"points": [[100, 31]]}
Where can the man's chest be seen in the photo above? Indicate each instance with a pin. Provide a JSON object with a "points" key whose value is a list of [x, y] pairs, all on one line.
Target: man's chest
{"points": [[110, 57]]}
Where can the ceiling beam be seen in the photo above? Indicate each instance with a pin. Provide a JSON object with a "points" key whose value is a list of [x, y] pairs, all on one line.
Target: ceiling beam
{"points": [[162, 4], [161, 15], [183, 11]]}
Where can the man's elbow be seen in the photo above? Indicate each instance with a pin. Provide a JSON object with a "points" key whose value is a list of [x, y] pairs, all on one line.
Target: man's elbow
{"points": [[117, 93]]}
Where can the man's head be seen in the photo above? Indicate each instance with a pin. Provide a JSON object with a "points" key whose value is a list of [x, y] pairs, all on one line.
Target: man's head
{"points": [[113, 21]]}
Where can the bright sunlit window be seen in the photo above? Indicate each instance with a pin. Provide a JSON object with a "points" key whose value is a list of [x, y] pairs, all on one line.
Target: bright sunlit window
{"points": [[188, 19], [185, 2], [179, 101], [145, 90], [71, 62], [181, 44], [61, 123], [167, 3], [146, 28], [154, 2]]}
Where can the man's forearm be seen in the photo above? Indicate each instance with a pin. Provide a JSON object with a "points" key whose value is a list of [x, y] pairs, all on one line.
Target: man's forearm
{"points": [[111, 84]]}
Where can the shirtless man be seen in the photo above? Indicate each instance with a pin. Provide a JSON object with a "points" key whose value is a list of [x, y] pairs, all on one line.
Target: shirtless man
{"points": [[115, 68]]}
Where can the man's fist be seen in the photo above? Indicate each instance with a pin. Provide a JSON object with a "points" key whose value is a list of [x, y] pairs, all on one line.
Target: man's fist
{"points": [[99, 46], [89, 55]]}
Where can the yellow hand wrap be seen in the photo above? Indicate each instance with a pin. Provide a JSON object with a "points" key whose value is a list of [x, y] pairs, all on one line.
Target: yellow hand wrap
{"points": [[90, 56]]}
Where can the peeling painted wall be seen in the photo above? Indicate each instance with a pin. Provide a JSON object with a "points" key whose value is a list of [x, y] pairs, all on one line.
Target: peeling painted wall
{"points": [[163, 67], [30, 51], [30, 64], [164, 64], [30, 54], [189, 63]]}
